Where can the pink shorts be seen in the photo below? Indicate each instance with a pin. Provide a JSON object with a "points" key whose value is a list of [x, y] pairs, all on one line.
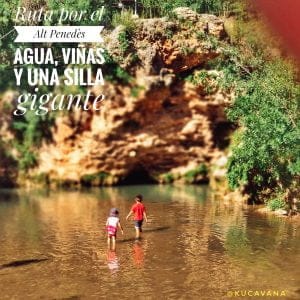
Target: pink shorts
{"points": [[111, 231]]}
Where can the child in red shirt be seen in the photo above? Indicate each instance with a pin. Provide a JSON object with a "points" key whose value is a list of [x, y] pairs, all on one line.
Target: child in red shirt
{"points": [[139, 211]]}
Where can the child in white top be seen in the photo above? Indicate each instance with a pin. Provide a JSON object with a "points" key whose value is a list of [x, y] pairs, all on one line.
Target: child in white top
{"points": [[112, 225]]}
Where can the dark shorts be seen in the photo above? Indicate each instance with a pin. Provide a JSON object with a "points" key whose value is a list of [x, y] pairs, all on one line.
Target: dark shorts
{"points": [[138, 224]]}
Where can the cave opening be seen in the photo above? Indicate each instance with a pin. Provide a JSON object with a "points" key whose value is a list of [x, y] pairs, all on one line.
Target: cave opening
{"points": [[138, 175], [131, 125], [221, 134]]}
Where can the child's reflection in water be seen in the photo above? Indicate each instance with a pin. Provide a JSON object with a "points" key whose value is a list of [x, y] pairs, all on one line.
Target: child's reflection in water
{"points": [[138, 254], [112, 261]]}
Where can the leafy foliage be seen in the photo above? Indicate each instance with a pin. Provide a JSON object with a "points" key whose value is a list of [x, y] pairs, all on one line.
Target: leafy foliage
{"points": [[276, 203], [266, 150], [125, 19], [154, 8], [124, 42], [168, 178], [29, 131], [8, 166], [95, 179], [208, 81], [114, 71], [192, 175]]}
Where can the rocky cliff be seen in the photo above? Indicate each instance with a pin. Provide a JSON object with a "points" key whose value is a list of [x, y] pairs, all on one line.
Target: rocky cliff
{"points": [[165, 123]]}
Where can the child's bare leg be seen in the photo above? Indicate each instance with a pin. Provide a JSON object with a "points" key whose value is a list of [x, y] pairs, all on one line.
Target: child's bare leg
{"points": [[113, 239], [137, 233], [108, 242]]}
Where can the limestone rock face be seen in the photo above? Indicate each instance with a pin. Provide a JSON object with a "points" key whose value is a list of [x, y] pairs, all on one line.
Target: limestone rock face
{"points": [[166, 127], [157, 132], [158, 126]]}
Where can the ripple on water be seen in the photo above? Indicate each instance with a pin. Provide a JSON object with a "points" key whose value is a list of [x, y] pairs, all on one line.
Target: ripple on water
{"points": [[189, 248]]}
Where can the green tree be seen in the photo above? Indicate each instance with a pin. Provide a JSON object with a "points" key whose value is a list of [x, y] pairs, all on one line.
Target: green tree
{"points": [[159, 8], [266, 149], [30, 130]]}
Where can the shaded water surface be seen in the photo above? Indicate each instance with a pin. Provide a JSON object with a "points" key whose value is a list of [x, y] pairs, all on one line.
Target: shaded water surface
{"points": [[194, 247]]}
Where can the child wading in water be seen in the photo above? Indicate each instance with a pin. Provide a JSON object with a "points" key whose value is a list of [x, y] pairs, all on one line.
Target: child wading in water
{"points": [[112, 225], [139, 211]]}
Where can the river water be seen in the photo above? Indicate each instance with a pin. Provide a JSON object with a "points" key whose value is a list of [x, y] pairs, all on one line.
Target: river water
{"points": [[194, 246]]}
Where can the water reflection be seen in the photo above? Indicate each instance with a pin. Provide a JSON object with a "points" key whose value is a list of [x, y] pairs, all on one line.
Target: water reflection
{"points": [[112, 261], [194, 244], [138, 254]]}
